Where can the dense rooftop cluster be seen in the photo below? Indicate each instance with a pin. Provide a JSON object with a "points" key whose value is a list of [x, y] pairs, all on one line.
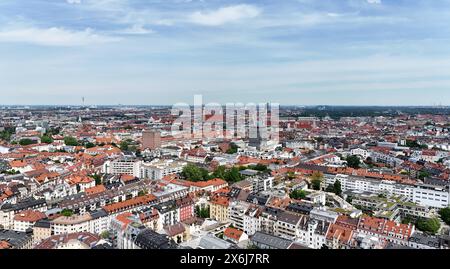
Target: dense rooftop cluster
{"points": [[116, 178]]}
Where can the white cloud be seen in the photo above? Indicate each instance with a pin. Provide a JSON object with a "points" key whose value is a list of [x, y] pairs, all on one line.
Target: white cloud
{"points": [[74, 1], [53, 36], [137, 30], [377, 2], [224, 15]]}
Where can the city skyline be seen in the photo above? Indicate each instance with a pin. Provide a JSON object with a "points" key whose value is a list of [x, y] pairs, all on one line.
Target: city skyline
{"points": [[303, 52]]}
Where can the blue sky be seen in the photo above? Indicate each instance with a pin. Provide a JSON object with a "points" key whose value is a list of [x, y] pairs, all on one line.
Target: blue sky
{"points": [[307, 52]]}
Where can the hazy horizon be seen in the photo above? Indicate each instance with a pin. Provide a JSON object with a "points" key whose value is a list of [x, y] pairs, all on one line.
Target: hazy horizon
{"points": [[166, 105]]}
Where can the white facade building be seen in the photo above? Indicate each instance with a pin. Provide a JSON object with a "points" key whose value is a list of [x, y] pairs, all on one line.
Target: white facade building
{"points": [[432, 196], [122, 167], [158, 169], [421, 194]]}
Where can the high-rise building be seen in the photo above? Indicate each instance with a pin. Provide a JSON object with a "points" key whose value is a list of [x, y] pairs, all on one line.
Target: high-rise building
{"points": [[151, 139]]}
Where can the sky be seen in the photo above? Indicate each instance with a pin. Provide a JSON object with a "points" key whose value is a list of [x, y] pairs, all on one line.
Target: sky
{"points": [[293, 52]]}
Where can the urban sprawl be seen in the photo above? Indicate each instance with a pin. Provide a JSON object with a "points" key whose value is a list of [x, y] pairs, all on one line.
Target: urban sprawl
{"points": [[117, 178]]}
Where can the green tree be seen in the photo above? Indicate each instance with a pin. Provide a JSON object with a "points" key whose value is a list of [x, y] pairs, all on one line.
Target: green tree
{"points": [[353, 161], [97, 178], [194, 173], [89, 145], [290, 175], [6, 134], [423, 174], [70, 141], [316, 180], [138, 153], [202, 212], [407, 220], [349, 199], [337, 189], [316, 184], [298, 194], [445, 215], [415, 144], [259, 167], [11, 172], [46, 139], [428, 225], [233, 148], [142, 193], [26, 142], [252, 247], [233, 175], [53, 131], [67, 212], [105, 235], [124, 146], [220, 172], [330, 188]]}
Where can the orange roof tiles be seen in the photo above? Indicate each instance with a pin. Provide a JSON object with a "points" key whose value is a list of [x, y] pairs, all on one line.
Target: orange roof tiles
{"points": [[18, 164], [386, 227], [366, 173], [125, 219], [134, 202], [223, 191], [95, 190], [5, 245], [204, 184], [55, 240], [279, 202], [79, 179], [244, 160], [29, 216], [221, 200], [46, 176], [126, 178], [341, 233], [233, 233]]}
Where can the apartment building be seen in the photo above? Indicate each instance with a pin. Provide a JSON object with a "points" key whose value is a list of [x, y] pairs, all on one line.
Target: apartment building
{"points": [[252, 223], [218, 208], [72, 224], [431, 195], [422, 194], [158, 169], [237, 213], [8, 211], [123, 166], [287, 225], [312, 232], [261, 182], [26, 219], [169, 214], [387, 230]]}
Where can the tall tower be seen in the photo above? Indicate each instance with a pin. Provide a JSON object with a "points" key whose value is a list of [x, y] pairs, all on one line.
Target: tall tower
{"points": [[151, 139]]}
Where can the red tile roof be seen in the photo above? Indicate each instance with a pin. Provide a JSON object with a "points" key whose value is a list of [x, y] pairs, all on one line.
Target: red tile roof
{"points": [[95, 190], [341, 233], [221, 200], [233, 233], [5, 245], [29, 216], [131, 203]]}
